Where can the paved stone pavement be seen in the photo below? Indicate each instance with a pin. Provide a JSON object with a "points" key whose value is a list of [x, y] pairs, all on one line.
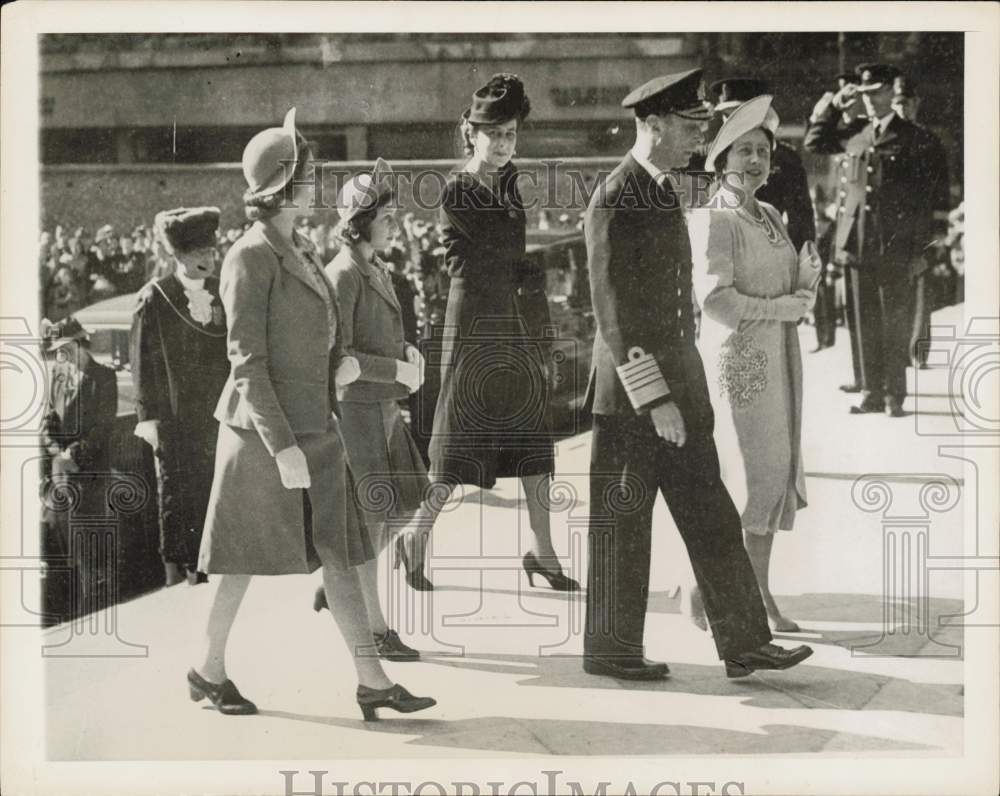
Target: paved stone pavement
{"points": [[500, 657]]}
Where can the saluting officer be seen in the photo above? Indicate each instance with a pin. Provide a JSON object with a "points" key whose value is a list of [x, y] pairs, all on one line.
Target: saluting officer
{"points": [[887, 175], [653, 418]]}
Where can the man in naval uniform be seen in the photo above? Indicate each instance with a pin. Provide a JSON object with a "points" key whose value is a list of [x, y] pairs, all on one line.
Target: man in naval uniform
{"points": [[888, 174], [653, 420]]}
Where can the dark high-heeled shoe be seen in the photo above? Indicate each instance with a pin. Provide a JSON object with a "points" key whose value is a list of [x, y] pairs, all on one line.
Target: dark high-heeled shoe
{"points": [[557, 580], [414, 572], [395, 697], [225, 695]]}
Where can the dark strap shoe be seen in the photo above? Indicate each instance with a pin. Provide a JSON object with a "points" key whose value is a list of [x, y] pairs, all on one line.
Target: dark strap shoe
{"points": [[625, 668], [225, 695], [852, 387], [395, 697], [766, 656], [391, 647]]}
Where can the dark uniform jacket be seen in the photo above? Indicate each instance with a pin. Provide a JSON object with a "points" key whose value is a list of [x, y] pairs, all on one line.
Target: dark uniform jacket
{"points": [[639, 258], [887, 190]]}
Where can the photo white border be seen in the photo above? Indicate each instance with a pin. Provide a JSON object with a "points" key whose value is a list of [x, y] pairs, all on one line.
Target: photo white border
{"points": [[21, 721]]}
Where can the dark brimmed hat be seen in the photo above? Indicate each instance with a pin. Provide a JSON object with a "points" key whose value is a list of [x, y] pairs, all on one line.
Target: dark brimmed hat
{"points": [[681, 93], [56, 335], [499, 101], [188, 228], [874, 76], [734, 91]]}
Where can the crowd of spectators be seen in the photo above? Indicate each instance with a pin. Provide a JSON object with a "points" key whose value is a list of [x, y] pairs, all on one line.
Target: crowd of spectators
{"points": [[78, 268]]}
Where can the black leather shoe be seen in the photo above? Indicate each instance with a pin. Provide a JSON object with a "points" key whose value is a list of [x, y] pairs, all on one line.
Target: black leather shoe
{"points": [[894, 407], [868, 406], [766, 656], [626, 668], [852, 387], [225, 695], [396, 698], [391, 647]]}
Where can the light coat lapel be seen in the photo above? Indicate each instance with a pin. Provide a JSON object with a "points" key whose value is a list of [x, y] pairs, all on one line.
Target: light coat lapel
{"points": [[288, 259], [382, 286]]}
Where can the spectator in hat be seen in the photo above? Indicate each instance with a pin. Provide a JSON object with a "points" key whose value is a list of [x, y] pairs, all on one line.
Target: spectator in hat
{"points": [[500, 427], [653, 416], [892, 177], [746, 277], [283, 500], [383, 456], [179, 366], [82, 404]]}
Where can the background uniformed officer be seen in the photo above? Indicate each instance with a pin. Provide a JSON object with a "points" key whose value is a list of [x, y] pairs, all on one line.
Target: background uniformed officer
{"points": [[889, 180]]}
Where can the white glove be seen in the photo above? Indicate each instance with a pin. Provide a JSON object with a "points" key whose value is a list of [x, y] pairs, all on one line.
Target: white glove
{"points": [[293, 468], [414, 357], [791, 307], [149, 430], [348, 371], [408, 374]]}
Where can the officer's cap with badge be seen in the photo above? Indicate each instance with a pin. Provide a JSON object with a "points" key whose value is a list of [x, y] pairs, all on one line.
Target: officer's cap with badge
{"points": [[874, 76], [681, 93], [187, 229]]}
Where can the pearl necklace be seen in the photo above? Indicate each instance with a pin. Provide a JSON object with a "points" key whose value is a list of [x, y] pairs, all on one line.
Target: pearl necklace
{"points": [[770, 231]]}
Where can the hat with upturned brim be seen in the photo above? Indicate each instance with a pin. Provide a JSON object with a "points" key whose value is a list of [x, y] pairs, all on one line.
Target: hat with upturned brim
{"points": [[499, 101], [271, 156], [56, 335], [365, 192], [748, 116], [186, 229]]}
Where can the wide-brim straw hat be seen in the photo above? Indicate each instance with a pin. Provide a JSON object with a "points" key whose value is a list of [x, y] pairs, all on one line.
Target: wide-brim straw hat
{"points": [[748, 116]]}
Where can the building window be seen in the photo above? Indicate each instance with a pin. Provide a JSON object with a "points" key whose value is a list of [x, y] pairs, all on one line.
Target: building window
{"points": [[78, 146]]}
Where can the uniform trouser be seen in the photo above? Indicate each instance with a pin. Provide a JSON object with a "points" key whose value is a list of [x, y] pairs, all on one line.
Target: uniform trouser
{"points": [[884, 318], [920, 338], [630, 465], [852, 322]]}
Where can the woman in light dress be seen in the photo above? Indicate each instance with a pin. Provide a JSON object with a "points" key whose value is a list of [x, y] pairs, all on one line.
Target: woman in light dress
{"points": [[746, 275]]}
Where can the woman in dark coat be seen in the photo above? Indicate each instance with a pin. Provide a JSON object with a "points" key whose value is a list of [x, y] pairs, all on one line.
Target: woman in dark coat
{"points": [[282, 497], [492, 417], [179, 366]]}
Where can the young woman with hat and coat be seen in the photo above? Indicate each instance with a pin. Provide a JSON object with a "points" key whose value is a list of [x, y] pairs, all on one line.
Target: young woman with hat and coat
{"points": [[391, 477], [282, 497], [492, 412]]}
